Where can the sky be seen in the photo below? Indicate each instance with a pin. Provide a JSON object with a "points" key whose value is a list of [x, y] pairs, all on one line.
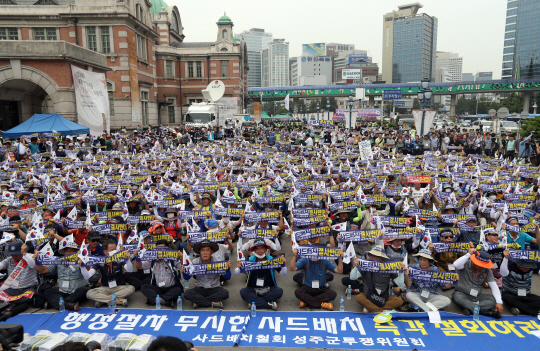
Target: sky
{"points": [[472, 28]]}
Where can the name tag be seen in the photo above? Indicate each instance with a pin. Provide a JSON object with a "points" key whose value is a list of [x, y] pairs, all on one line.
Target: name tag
{"points": [[474, 292], [495, 265], [315, 284], [451, 267], [161, 284], [112, 284], [522, 292], [260, 282], [65, 284], [146, 271], [425, 293]]}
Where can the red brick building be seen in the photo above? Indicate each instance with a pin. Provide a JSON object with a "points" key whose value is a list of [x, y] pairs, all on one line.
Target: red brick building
{"points": [[39, 39]]}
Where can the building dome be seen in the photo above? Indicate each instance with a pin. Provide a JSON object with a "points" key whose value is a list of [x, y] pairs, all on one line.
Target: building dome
{"points": [[224, 20], [157, 5]]}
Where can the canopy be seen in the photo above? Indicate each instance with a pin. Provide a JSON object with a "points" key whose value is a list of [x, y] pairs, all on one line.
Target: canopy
{"points": [[45, 123]]}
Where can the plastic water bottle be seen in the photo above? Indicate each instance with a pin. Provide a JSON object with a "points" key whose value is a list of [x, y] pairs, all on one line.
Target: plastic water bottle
{"points": [[253, 310], [113, 300], [158, 303], [186, 283], [349, 292], [61, 304], [179, 303], [476, 315], [342, 304]]}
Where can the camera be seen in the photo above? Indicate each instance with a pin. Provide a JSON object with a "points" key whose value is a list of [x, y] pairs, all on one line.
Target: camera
{"points": [[11, 334]]}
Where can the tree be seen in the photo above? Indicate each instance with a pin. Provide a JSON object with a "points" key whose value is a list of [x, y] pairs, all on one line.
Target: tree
{"points": [[531, 125], [323, 103], [416, 104], [513, 102], [333, 104], [301, 104], [313, 106]]}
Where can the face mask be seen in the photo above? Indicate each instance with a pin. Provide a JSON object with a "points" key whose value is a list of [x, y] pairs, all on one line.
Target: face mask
{"points": [[396, 247], [225, 220], [170, 215], [260, 256], [447, 190], [36, 191], [493, 197]]}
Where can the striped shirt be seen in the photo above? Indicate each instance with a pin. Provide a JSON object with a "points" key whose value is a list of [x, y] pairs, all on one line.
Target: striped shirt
{"points": [[68, 280], [162, 272], [517, 279], [26, 279]]}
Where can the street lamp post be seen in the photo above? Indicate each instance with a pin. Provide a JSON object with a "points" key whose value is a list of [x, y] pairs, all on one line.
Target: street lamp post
{"points": [[318, 110], [351, 102], [328, 107], [424, 95]]}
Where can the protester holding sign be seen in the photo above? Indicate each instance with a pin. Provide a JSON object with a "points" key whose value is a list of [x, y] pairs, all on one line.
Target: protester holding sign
{"points": [[516, 284], [165, 281], [314, 292], [112, 279], [207, 291], [474, 269], [261, 286], [376, 296], [72, 286], [421, 291]]}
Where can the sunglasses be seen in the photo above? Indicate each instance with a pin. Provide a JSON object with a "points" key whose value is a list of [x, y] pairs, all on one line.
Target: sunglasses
{"points": [[447, 236], [494, 234], [94, 240]]}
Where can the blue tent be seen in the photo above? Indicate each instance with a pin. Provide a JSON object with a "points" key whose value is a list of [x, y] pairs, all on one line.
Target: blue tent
{"points": [[41, 123]]}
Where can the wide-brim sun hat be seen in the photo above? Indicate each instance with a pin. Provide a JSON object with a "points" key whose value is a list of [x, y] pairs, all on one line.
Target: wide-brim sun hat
{"points": [[378, 251], [425, 253]]}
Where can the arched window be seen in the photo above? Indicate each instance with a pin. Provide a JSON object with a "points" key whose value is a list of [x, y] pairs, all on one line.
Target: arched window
{"points": [[224, 49], [224, 34], [174, 23], [139, 12]]}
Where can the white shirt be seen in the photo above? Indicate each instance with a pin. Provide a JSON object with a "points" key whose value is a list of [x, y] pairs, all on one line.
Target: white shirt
{"points": [[21, 149], [309, 142]]}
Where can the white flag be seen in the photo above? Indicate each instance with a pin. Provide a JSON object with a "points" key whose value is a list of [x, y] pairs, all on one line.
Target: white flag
{"points": [[287, 102]]}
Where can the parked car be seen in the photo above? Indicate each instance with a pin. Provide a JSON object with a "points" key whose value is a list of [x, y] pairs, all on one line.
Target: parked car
{"points": [[509, 127], [465, 125]]}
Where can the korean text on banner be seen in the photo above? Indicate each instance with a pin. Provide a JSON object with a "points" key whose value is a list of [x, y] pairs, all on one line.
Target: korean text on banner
{"points": [[134, 78], [92, 100]]}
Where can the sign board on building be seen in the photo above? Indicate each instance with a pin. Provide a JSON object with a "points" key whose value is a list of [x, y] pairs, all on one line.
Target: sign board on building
{"points": [[315, 49], [362, 112], [392, 94], [354, 74], [406, 103], [355, 59]]}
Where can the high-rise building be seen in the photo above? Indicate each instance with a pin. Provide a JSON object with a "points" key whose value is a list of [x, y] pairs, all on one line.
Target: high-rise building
{"points": [[275, 64], [355, 59], [256, 41], [442, 75], [409, 45], [452, 62], [292, 61], [308, 70], [483, 76], [521, 53], [467, 77]]}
